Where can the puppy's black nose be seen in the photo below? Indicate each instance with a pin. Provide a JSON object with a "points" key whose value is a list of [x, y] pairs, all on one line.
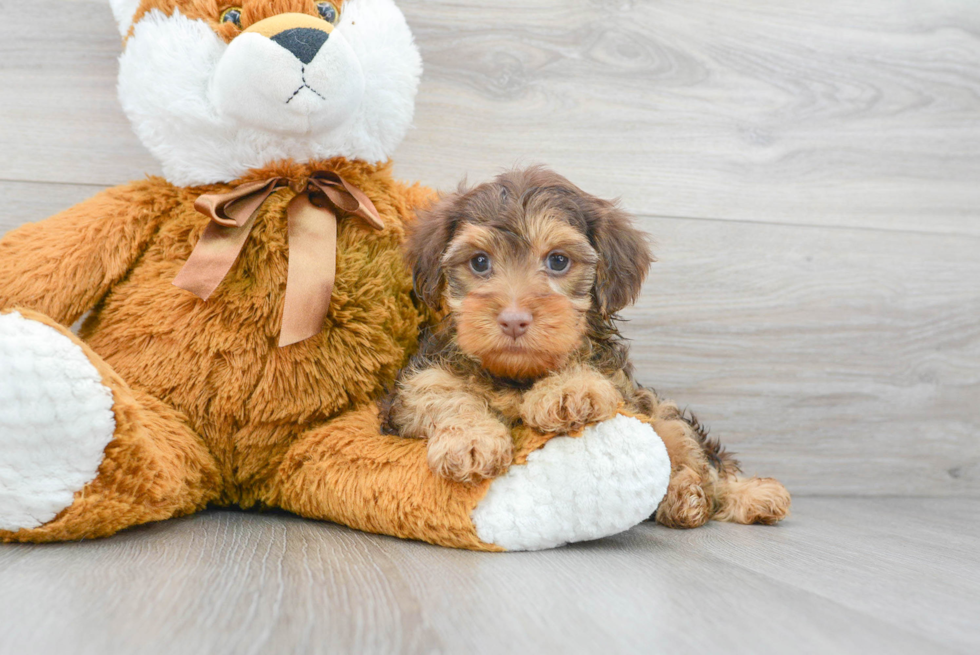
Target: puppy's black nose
{"points": [[514, 322], [303, 42]]}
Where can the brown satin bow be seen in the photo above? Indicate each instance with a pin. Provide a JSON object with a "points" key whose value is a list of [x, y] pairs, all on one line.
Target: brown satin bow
{"points": [[312, 244]]}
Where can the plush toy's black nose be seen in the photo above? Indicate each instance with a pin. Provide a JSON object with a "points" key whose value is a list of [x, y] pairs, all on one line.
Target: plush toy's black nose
{"points": [[304, 42]]}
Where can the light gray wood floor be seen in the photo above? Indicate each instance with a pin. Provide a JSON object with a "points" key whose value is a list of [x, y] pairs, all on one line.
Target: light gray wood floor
{"points": [[809, 171], [845, 575]]}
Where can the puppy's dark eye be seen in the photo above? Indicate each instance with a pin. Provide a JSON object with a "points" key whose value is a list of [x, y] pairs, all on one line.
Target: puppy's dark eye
{"points": [[557, 262], [328, 12], [480, 263], [232, 15]]}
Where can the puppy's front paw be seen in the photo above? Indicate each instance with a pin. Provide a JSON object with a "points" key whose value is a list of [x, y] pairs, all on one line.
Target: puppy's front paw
{"points": [[571, 405], [470, 453]]}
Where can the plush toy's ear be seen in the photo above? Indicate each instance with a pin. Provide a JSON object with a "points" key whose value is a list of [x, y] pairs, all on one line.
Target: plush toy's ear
{"points": [[624, 254], [124, 11], [428, 238]]}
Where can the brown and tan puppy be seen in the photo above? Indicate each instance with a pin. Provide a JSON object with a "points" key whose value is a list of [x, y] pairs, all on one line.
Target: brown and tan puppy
{"points": [[530, 271]]}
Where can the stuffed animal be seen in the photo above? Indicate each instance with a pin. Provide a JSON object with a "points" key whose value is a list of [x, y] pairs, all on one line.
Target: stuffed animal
{"points": [[245, 310]]}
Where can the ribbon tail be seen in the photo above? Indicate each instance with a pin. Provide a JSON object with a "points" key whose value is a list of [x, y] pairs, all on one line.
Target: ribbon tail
{"points": [[366, 209], [312, 270], [347, 197], [235, 207], [222, 240]]}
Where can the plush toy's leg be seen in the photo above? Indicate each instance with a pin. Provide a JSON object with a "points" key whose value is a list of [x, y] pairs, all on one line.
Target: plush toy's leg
{"points": [[559, 490], [81, 454]]}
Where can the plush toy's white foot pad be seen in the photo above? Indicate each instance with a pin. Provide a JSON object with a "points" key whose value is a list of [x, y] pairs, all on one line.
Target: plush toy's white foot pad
{"points": [[56, 419], [577, 489]]}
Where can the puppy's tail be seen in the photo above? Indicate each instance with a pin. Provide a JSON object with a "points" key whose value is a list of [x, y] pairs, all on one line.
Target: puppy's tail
{"points": [[721, 460]]}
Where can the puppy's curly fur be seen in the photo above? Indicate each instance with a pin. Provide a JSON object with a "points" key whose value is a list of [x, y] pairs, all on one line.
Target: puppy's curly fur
{"points": [[529, 272]]}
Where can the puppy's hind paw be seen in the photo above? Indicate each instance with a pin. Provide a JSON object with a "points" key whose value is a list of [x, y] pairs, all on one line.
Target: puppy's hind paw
{"points": [[470, 453], [753, 500], [686, 504]]}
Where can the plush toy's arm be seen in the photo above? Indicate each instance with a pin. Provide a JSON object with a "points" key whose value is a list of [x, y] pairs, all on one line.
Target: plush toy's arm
{"points": [[64, 265]]}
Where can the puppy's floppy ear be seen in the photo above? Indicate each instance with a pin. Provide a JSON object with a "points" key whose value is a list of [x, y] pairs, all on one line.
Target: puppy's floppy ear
{"points": [[624, 254], [428, 237]]}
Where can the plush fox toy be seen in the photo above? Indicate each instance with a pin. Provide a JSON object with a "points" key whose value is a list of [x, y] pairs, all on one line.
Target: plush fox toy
{"points": [[246, 309]]}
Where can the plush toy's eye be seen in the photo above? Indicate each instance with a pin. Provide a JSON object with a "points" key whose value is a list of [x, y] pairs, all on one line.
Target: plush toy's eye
{"points": [[558, 262], [480, 263], [232, 15], [328, 11]]}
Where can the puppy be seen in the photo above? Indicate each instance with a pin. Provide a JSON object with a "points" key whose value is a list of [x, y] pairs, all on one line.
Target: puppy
{"points": [[530, 272]]}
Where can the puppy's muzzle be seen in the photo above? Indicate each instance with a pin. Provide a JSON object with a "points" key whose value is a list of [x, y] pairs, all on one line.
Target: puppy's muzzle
{"points": [[301, 34]]}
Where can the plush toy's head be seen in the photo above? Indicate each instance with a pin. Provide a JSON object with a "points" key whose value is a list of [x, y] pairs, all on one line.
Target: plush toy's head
{"points": [[217, 87]]}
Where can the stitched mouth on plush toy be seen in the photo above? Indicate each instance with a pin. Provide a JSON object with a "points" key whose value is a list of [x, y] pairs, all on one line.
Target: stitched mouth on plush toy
{"points": [[304, 85]]}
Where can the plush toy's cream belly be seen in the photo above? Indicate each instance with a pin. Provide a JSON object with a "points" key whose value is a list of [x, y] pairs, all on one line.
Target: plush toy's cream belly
{"points": [[218, 360]]}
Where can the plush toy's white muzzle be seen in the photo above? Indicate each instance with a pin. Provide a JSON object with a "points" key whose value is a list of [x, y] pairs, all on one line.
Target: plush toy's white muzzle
{"points": [[288, 75]]}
